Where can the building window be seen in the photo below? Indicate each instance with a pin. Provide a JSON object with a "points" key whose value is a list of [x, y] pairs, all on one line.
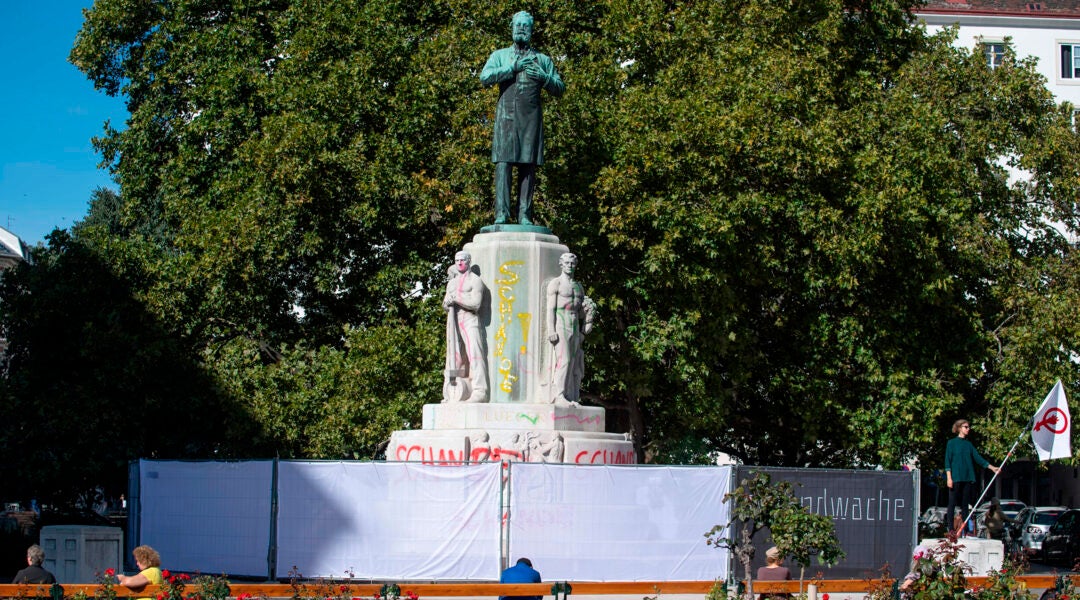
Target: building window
{"points": [[1070, 61], [995, 53]]}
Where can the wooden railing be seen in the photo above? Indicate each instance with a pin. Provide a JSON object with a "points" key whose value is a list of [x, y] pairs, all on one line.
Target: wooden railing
{"points": [[322, 589]]}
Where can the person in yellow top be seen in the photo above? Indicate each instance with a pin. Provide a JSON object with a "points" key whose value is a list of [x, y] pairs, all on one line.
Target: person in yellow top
{"points": [[149, 562]]}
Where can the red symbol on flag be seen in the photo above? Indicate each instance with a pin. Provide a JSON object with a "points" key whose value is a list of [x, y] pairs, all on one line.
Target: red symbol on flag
{"points": [[1054, 424]]}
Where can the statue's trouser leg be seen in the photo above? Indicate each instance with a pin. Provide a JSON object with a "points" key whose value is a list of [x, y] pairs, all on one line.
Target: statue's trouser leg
{"points": [[504, 177], [526, 187], [477, 364]]}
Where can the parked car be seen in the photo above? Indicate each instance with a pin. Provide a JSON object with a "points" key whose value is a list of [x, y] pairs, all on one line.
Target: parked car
{"points": [[1011, 508], [1062, 542], [932, 522], [1034, 523], [933, 514]]}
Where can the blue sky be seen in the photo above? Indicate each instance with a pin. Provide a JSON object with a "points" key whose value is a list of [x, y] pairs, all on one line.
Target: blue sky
{"points": [[48, 167]]}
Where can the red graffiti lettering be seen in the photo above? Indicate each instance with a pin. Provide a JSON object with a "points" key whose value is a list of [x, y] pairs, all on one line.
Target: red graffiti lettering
{"points": [[430, 455], [480, 454], [504, 453], [427, 455], [605, 457]]}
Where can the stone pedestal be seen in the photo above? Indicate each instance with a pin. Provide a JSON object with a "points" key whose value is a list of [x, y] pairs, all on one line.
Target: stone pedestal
{"points": [[465, 446], [516, 267], [519, 421], [981, 555]]}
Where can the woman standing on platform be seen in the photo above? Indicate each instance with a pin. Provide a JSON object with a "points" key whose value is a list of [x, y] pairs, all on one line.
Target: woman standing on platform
{"points": [[960, 460]]}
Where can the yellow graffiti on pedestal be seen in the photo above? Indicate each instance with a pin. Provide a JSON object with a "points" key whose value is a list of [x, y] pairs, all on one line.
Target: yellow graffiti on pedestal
{"points": [[524, 319], [506, 281], [507, 384]]}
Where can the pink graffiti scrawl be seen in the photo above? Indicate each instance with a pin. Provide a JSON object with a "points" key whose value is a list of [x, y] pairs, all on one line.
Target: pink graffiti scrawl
{"points": [[594, 419]]}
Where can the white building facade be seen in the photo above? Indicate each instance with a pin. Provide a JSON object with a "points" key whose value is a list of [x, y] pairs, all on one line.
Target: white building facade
{"points": [[1052, 35]]}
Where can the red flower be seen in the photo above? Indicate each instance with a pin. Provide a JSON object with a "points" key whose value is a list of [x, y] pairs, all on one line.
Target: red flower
{"points": [[344, 589], [110, 572], [165, 573], [376, 596], [185, 577], [161, 596], [413, 596], [825, 596]]}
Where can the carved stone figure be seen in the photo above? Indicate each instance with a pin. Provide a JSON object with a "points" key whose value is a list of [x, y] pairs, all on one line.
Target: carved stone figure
{"points": [[480, 447], [522, 443], [466, 361], [550, 450], [567, 324], [521, 73]]}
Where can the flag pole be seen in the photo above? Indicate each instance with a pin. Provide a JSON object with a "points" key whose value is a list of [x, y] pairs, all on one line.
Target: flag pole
{"points": [[1023, 433]]}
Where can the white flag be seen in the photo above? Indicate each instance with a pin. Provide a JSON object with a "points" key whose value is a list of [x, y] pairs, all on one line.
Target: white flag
{"points": [[1052, 431]]}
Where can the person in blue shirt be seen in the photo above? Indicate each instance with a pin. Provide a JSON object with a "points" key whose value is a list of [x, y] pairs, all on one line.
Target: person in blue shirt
{"points": [[960, 460], [522, 572]]}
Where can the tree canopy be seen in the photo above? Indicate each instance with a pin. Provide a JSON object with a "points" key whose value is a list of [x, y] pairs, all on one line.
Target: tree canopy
{"points": [[816, 233]]}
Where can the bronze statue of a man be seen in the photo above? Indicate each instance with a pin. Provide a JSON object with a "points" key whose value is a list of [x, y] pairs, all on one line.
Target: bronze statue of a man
{"points": [[521, 73]]}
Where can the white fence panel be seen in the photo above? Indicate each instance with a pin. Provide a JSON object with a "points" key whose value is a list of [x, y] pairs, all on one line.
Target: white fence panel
{"points": [[618, 523], [388, 520], [207, 516]]}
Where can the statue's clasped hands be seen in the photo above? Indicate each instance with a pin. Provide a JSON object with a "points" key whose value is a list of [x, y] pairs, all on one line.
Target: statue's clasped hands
{"points": [[532, 70]]}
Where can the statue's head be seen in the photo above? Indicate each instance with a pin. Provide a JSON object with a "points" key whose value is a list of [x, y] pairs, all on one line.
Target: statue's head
{"points": [[521, 27], [568, 262], [463, 260]]}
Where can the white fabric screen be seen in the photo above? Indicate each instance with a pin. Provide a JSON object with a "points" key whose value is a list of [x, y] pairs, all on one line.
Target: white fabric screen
{"points": [[616, 523], [212, 517], [388, 520]]}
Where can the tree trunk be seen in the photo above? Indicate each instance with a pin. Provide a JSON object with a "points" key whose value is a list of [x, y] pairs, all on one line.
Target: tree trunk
{"points": [[637, 426]]}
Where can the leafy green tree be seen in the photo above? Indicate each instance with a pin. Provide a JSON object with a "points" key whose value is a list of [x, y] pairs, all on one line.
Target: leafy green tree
{"points": [[94, 381], [800, 220], [335, 403], [817, 235], [757, 504]]}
